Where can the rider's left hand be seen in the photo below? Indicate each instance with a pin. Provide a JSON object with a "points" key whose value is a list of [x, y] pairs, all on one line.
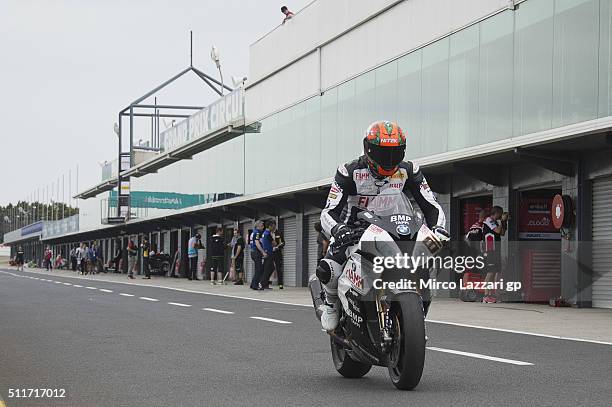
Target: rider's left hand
{"points": [[441, 233]]}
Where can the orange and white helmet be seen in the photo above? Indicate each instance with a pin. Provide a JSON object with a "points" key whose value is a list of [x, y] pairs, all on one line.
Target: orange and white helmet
{"points": [[384, 146]]}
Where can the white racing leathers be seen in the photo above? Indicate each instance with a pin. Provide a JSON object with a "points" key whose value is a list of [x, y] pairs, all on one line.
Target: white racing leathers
{"points": [[353, 187]]}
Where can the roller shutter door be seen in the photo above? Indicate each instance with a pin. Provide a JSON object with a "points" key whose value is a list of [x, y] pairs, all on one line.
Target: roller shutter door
{"points": [[602, 243], [249, 268], [289, 253], [312, 242]]}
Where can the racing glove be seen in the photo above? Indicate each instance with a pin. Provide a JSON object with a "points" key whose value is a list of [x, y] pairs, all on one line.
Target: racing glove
{"points": [[441, 233], [343, 235]]}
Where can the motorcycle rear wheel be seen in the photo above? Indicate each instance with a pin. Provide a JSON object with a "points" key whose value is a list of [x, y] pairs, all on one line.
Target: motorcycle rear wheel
{"points": [[164, 268], [408, 354], [346, 366]]}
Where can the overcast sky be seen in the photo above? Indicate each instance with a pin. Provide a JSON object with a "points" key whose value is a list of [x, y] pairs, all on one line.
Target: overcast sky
{"points": [[67, 68]]}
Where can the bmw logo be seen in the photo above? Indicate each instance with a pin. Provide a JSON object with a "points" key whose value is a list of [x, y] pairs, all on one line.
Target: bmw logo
{"points": [[403, 230]]}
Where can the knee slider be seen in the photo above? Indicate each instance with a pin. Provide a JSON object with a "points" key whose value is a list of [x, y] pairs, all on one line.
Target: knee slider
{"points": [[324, 272]]}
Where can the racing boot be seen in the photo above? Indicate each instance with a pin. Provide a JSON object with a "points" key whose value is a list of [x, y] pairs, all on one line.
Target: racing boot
{"points": [[328, 272], [331, 315]]}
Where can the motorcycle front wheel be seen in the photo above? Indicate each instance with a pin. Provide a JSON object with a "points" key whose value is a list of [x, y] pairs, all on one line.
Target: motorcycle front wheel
{"points": [[346, 366], [407, 355]]}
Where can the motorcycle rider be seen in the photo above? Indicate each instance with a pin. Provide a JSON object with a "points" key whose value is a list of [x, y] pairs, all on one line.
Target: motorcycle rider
{"points": [[380, 170]]}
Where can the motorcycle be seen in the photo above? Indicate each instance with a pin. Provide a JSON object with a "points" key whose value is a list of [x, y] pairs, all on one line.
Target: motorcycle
{"points": [[381, 324], [159, 262]]}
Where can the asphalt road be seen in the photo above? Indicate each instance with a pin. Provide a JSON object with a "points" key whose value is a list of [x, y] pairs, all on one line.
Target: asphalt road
{"points": [[114, 345]]}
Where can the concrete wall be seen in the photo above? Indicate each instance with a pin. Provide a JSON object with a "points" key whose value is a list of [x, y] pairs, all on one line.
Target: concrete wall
{"points": [[309, 58]]}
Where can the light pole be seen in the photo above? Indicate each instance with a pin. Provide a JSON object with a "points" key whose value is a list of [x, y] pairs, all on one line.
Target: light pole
{"points": [[214, 55]]}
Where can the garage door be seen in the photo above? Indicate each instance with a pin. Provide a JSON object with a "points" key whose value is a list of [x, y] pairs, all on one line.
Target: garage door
{"points": [[289, 229], [312, 242], [602, 243]]}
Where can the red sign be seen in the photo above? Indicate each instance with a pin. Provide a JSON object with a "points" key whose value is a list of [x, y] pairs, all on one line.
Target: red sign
{"points": [[558, 211], [535, 219]]}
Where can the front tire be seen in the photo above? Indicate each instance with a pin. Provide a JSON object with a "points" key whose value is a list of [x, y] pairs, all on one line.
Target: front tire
{"points": [[346, 366], [407, 357]]}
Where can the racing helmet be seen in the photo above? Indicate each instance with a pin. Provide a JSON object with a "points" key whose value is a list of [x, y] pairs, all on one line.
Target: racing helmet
{"points": [[384, 146]]}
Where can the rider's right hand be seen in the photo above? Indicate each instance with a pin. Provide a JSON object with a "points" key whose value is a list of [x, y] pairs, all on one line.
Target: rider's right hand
{"points": [[343, 235]]}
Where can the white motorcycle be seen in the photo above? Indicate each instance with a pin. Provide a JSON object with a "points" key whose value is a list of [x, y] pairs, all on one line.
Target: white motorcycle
{"points": [[382, 320]]}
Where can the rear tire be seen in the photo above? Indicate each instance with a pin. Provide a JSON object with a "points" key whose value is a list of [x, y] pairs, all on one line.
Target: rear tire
{"points": [[473, 296], [408, 355], [164, 268], [346, 366]]}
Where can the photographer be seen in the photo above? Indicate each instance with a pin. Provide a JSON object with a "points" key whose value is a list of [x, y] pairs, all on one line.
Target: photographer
{"points": [[494, 228], [277, 256], [195, 243], [145, 247]]}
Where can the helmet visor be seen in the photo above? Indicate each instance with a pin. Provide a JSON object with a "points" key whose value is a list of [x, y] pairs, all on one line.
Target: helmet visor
{"points": [[387, 157]]}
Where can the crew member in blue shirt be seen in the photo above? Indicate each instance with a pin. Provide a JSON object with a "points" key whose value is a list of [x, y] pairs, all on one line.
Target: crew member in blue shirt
{"points": [[257, 253], [267, 243]]}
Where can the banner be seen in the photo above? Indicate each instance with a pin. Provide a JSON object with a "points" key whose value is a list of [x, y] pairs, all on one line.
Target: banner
{"points": [[169, 200], [535, 221], [160, 200], [221, 113]]}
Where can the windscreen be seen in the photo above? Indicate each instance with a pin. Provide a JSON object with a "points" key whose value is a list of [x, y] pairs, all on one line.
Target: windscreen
{"points": [[389, 204]]}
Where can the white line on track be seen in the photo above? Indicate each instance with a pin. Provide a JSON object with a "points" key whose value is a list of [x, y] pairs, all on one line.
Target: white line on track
{"points": [[479, 356], [66, 283], [277, 321], [178, 304], [91, 288], [148, 299], [239, 297], [220, 311], [104, 290], [76, 285], [126, 295], [512, 331]]}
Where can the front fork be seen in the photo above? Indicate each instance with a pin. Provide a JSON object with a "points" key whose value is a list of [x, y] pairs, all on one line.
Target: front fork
{"points": [[383, 310]]}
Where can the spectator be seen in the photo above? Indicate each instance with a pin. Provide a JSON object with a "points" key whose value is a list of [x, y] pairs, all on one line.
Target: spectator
{"points": [[132, 252], [494, 227], [238, 256], [59, 261], [257, 253], [47, 259], [19, 259], [288, 14], [73, 259], [195, 243], [322, 242], [91, 259], [116, 261], [80, 255], [475, 236], [99, 258], [145, 258], [277, 256], [267, 243], [217, 254]]}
